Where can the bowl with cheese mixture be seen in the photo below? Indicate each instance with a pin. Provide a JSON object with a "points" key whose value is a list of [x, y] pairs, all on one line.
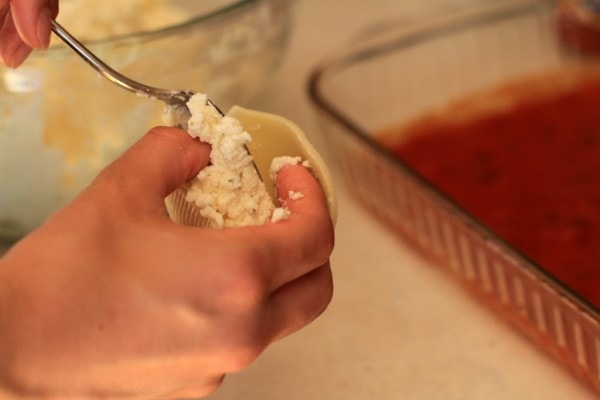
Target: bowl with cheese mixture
{"points": [[60, 123]]}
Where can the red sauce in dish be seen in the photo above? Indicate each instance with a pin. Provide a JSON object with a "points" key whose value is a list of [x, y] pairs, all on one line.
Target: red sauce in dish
{"points": [[578, 26], [531, 173]]}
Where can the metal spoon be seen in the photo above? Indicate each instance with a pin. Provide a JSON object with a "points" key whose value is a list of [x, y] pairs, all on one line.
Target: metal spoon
{"points": [[171, 97], [177, 98]]}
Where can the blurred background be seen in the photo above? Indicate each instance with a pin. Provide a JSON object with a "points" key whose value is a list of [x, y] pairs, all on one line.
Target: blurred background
{"points": [[398, 327]]}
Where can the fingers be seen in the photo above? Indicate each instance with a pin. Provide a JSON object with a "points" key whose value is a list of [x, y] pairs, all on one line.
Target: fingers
{"points": [[156, 165], [32, 21], [24, 25], [12, 48], [195, 391], [305, 278], [303, 244], [307, 194], [305, 239], [299, 302]]}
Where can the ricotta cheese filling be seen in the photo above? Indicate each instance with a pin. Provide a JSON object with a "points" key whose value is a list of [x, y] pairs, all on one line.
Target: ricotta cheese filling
{"points": [[229, 191]]}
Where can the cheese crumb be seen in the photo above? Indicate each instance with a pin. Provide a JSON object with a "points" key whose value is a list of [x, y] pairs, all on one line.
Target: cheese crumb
{"points": [[280, 214], [295, 195], [228, 191], [279, 162]]}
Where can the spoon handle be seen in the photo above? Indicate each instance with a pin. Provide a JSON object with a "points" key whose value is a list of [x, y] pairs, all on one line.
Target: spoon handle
{"points": [[100, 66]]}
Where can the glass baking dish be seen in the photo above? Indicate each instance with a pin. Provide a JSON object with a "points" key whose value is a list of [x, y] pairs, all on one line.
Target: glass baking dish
{"points": [[397, 70]]}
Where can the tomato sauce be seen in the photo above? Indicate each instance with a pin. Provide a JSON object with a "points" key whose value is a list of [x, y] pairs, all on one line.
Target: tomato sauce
{"points": [[531, 173], [578, 26]]}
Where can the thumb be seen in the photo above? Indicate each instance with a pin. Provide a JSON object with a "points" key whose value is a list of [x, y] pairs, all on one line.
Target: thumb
{"points": [[153, 167]]}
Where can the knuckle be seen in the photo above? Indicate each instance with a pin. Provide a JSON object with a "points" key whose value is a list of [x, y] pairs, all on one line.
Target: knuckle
{"points": [[244, 354], [159, 132], [324, 295], [326, 244], [243, 294], [244, 287], [329, 242], [198, 391]]}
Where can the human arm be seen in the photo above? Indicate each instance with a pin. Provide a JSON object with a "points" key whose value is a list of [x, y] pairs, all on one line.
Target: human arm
{"points": [[24, 25], [110, 298]]}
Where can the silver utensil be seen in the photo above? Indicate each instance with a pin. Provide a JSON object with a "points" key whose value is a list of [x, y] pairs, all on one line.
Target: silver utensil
{"points": [[170, 97]]}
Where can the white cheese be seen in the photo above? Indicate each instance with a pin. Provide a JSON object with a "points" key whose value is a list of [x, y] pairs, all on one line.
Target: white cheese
{"points": [[229, 191]]}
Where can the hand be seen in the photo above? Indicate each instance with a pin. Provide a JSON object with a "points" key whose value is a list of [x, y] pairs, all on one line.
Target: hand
{"points": [[24, 25], [110, 298]]}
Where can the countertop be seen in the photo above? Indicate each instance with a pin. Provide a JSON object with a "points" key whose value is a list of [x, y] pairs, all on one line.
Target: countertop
{"points": [[398, 327]]}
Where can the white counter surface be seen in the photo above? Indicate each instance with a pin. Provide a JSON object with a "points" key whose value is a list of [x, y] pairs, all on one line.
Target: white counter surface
{"points": [[398, 327]]}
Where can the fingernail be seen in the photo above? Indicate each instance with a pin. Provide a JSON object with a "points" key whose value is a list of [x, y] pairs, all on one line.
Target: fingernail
{"points": [[43, 27], [18, 55]]}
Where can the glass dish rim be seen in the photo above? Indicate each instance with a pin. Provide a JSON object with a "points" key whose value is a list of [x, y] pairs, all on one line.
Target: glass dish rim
{"points": [[438, 26], [229, 8]]}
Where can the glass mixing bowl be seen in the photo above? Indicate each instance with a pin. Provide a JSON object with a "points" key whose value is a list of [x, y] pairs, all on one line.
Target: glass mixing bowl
{"points": [[60, 124]]}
